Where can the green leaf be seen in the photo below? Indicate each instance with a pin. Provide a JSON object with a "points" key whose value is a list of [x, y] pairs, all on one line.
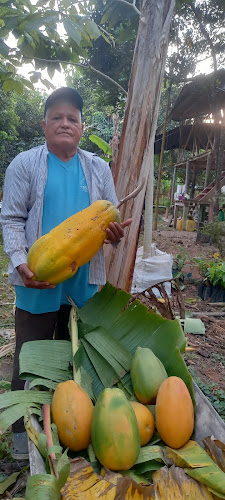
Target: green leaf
{"points": [[105, 372], [148, 466], [112, 351], [72, 30], [4, 485], [136, 326], [150, 452], [42, 487], [44, 359], [28, 397], [101, 144], [51, 70], [63, 468], [42, 382], [14, 413], [4, 49], [92, 29]]}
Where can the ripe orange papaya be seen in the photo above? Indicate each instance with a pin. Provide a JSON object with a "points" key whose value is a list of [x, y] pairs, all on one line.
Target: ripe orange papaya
{"points": [[56, 256], [114, 431], [145, 421], [72, 411], [174, 412], [147, 374]]}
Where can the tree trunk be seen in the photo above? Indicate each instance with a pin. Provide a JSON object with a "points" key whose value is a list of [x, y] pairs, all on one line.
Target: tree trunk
{"points": [[138, 133]]}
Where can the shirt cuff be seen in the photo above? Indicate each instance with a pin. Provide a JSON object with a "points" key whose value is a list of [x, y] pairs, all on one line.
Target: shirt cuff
{"points": [[18, 258]]}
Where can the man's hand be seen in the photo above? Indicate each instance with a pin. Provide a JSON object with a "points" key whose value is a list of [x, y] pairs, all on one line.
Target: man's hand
{"points": [[116, 231], [26, 275]]}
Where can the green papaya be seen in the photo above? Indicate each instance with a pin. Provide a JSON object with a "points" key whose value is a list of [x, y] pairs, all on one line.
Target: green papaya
{"points": [[114, 431], [147, 374]]}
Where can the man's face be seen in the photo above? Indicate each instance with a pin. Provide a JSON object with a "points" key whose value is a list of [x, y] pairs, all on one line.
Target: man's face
{"points": [[62, 127]]}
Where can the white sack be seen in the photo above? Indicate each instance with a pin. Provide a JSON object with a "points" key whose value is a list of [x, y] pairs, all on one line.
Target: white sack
{"points": [[152, 270]]}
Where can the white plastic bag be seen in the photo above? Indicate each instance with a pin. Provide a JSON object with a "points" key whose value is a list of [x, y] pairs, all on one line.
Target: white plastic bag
{"points": [[152, 270]]}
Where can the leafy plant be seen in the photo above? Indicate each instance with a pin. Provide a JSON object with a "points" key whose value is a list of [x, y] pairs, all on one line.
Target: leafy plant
{"points": [[212, 391], [179, 261], [216, 229], [212, 271]]}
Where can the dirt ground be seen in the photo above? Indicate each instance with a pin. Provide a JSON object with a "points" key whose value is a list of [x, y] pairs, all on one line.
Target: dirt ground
{"points": [[207, 361]]}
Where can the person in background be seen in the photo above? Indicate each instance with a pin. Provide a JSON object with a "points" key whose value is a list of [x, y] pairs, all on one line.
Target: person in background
{"points": [[44, 186]]}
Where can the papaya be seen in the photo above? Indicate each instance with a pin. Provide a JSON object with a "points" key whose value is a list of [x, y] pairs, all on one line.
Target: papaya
{"points": [[174, 413], [56, 256], [147, 374], [145, 421], [72, 411], [114, 431]]}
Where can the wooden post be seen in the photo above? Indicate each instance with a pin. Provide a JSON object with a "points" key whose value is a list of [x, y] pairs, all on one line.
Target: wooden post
{"points": [[208, 169], [173, 185], [192, 193], [175, 215], [211, 209], [161, 160], [186, 206]]}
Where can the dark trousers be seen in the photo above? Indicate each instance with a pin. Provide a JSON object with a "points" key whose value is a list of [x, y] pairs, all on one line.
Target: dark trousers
{"points": [[28, 327]]}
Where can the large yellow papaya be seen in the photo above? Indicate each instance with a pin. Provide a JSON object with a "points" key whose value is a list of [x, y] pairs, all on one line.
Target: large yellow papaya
{"points": [[72, 411], [114, 431], [57, 255], [174, 412]]}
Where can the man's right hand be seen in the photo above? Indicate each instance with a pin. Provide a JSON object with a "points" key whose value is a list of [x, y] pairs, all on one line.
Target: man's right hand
{"points": [[27, 275]]}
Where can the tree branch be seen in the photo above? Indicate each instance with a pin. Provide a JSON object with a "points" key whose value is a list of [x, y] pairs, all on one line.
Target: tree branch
{"points": [[132, 5], [88, 66], [205, 34]]}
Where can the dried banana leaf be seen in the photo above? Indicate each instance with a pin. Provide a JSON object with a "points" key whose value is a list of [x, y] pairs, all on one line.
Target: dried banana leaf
{"points": [[84, 484], [216, 450], [198, 465], [174, 484]]}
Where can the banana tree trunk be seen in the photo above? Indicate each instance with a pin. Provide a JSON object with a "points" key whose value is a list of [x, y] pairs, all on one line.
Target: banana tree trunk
{"points": [[138, 133]]}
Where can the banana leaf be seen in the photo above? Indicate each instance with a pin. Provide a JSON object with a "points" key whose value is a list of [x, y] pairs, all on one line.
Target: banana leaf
{"points": [[16, 404], [110, 330], [84, 484], [198, 465], [216, 450], [46, 359], [131, 327], [42, 487], [174, 484]]}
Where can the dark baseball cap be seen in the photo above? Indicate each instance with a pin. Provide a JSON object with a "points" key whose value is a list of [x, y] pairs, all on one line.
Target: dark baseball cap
{"points": [[64, 94]]}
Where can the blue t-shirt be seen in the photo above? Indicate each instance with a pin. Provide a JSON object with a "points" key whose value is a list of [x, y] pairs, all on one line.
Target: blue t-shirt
{"points": [[65, 194]]}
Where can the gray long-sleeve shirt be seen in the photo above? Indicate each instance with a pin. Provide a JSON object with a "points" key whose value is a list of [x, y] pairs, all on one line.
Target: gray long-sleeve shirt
{"points": [[22, 207]]}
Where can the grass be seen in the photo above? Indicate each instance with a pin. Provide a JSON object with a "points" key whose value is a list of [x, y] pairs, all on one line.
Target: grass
{"points": [[7, 295], [6, 322]]}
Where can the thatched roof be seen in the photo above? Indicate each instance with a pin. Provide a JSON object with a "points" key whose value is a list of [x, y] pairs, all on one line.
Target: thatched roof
{"points": [[198, 98]]}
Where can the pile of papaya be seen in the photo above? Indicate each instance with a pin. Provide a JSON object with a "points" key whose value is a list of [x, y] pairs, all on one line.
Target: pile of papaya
{"points": [[117, 427]]}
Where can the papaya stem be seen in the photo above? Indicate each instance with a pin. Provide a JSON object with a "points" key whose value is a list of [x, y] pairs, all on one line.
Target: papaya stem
{"points": [[75, 344], [133, 194], [48, 432]]}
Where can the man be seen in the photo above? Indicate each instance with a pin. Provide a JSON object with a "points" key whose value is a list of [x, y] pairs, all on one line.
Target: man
{"points": [[44, 186]]}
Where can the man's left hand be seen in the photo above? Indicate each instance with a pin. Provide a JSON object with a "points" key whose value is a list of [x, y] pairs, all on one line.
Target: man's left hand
{"points": [[115, 231]]}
